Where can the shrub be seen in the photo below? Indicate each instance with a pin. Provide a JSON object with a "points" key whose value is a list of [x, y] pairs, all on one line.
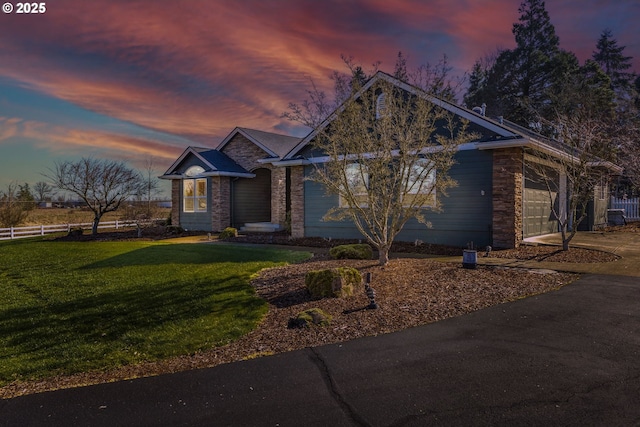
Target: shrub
{"points": [[312, 316], [336, 282], [355, 251], [228, 233], [75, 232], [174, 229]]}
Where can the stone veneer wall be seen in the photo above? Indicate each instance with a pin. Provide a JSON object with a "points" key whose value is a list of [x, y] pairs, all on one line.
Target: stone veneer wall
{"points": [[220, 202], [507, 197], [278, 195], [297, 201], [245, 153], [175, 201]]}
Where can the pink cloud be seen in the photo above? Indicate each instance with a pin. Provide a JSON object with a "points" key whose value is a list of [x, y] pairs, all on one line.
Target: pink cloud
{"points": [[60, 139], [199, 68]]}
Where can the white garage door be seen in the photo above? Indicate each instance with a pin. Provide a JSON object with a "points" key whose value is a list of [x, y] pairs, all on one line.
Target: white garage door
{"points": [[538, 217]]}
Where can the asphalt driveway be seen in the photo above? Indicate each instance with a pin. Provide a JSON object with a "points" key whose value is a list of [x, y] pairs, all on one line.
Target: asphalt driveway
{"points": [[569, 357]]}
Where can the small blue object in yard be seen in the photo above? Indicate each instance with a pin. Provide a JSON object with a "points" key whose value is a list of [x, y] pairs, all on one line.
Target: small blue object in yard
{"points": [[469, 258], [616, 217]]}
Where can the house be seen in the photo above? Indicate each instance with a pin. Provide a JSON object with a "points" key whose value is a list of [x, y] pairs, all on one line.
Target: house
{"points": [[256, 180]]}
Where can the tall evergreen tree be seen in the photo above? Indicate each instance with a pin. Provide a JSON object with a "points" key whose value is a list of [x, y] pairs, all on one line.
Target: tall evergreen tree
{"points": [[400, 69], [533, 59], [520, 78], [612, 60], [477, 81]]}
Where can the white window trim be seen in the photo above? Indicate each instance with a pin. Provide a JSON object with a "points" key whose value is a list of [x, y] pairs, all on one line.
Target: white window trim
{"points": [[356, 174], [381, 106], [198, 199], [427, 187], [429, 182]]}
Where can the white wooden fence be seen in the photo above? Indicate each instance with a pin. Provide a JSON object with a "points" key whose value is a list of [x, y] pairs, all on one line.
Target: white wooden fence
{"points": [[41, 230], [631, 207]]}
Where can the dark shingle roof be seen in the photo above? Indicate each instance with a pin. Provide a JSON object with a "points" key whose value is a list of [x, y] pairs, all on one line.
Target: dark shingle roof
{"points": [[220, 161], [277, 143]]}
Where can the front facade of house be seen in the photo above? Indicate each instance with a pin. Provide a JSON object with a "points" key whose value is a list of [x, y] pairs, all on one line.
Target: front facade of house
{"points": [[257, 180]]}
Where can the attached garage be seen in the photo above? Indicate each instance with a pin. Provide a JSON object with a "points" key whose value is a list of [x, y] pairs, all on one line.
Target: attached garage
{"points": [[537, 216], [251, 199]]}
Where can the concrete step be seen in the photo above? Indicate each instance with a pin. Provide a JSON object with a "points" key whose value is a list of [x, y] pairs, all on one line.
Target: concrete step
{"points": [[261, 227]]}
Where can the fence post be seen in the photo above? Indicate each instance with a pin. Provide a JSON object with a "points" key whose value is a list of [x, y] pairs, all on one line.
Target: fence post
{"points": [[42, 230], [116, 224], [11, 232]]}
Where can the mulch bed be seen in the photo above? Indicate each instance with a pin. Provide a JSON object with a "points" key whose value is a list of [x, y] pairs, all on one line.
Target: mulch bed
{"points": [[524, 252]]}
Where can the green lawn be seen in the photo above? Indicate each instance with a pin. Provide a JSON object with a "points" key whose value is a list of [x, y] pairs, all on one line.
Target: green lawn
{"points": [[70, 307]]}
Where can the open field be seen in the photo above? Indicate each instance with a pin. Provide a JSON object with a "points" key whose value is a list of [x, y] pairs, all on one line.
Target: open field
{"points": [[52, 216], [71, 307]]}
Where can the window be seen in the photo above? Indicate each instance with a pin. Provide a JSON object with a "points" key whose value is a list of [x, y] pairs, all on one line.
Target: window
{"points": [[601, 189], [381, 106], [358, 180], [194, 171], [194, 193], [421, 182]]}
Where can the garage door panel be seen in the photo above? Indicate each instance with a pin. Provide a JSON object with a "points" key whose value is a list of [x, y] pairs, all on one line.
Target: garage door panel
{"points": [[538, 215]]}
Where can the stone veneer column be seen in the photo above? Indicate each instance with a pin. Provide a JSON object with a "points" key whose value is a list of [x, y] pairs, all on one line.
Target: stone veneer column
{"points": [[220, 202], [278, 195], [507, 197], [175, 202], [297, 201]]}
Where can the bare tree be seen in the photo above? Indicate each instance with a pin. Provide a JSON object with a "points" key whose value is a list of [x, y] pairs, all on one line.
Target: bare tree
{"points": [[13, 211], [101, 184], [577, 167], [43, 191], [149, 186], [318, 106], [437, 80], [389, 152]]}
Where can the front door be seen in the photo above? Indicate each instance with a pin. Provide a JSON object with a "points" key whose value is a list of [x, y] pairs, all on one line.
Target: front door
{"points": [[251, 199]]}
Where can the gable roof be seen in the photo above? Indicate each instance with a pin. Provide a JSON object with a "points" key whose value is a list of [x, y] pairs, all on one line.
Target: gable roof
{"points": [[274, 144], [506, 134], [216, 164], [502, 132]]}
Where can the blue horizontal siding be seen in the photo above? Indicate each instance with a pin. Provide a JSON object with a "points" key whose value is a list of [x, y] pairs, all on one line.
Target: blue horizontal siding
{"points": [[199, 221], [466, 213]]}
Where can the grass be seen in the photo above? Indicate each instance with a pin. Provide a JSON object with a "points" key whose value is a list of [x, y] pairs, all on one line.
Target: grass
{"points": [[68, 307]]}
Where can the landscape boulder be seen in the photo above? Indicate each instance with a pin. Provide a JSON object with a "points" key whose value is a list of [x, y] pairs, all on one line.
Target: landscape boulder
{"points": [[335, 282], [312, 316]]}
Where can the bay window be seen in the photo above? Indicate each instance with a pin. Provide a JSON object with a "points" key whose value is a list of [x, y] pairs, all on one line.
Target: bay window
{"points": [[194, 193]]}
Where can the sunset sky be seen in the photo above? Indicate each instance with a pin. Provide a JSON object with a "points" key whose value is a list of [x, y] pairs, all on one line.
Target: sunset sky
{"points": [[133, 80]]}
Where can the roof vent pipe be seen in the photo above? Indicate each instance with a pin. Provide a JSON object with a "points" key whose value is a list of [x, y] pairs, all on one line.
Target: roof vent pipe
{"points": [[484, 108]]}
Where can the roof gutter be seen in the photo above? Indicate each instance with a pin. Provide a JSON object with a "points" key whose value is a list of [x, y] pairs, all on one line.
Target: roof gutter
{"points": [[207, 174]]}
